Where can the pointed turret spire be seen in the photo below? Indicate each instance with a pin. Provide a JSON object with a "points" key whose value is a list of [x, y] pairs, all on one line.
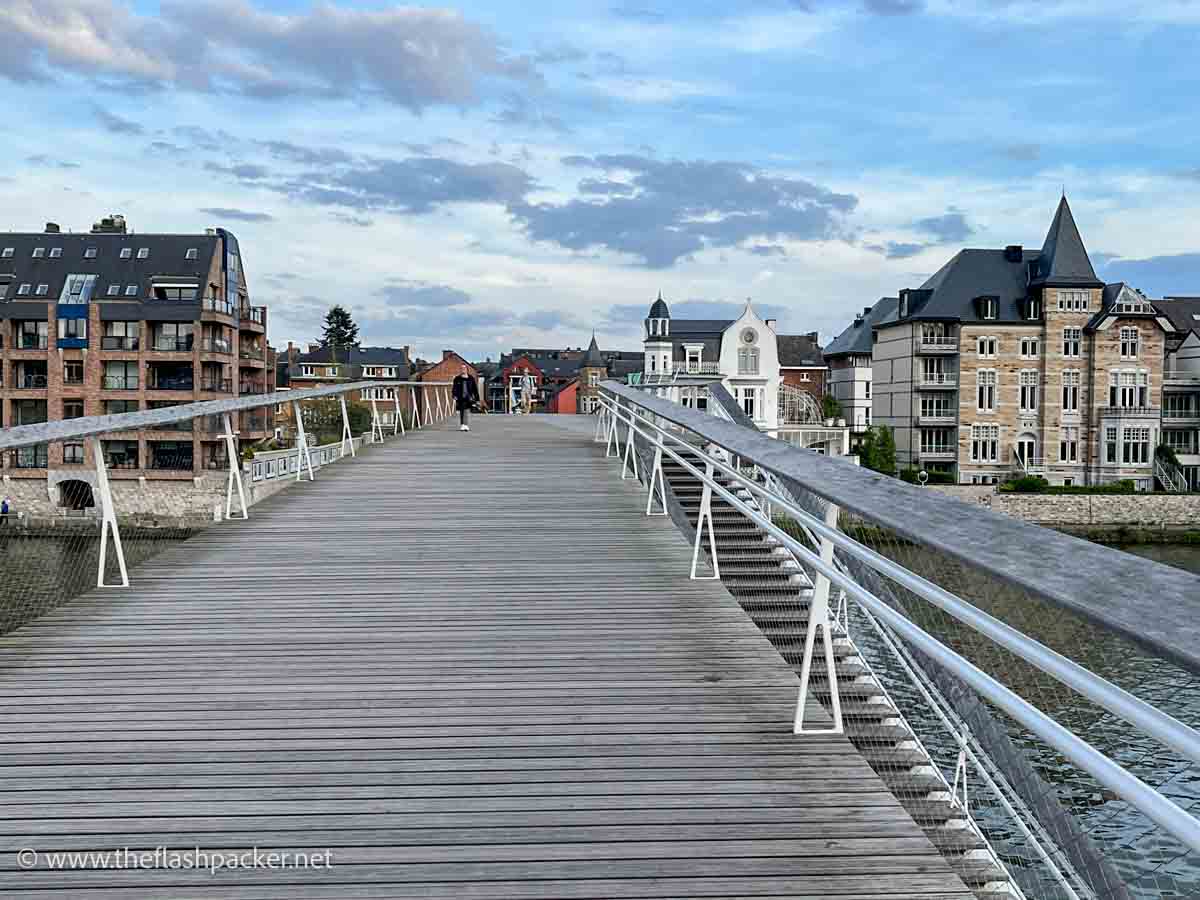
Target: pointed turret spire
{"points": [[1064, 260], [592, 359]]}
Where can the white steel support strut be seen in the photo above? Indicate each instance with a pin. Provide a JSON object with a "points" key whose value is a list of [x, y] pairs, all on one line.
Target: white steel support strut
{"points": [[416, 409], [376, 422], [657, 483], [347, 435], [630, 454], [108, 519], [960, 770], [818, 617], [235, 472], [601, 421], [702, 520], [302, 444], [612, 446], [398, 425], [428, 411]]}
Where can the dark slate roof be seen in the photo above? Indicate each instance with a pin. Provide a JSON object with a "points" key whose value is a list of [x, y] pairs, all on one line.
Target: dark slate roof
{"points": [[621, 368], [1064, 259], [168, 258], [355, 358], [659, 309], [559, 368], [592, 358], [799, 350], [699, 327], [856, 339], [1184, 312], [951, 292]]}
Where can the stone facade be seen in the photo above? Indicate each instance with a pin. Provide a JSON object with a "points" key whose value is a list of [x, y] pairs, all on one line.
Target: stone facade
{"points": [[1173, 512]]}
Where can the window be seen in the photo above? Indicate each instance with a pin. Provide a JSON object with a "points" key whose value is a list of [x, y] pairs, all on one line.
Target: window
{"points": [[56, 252], [747, 360], [1128, 389], [1129, 343], [1135, 446], [1029, 391], [174, 336], [804, 376], [24, 288], [126, 253], [7, 254], [73, 454], [192, 253], [72, 373], [985, 443], [749, 401], [1033, 308], [985, 347], [72, 329], [694, 355], [131, 290], [77, 289], [312, 370], [39, 252], [985, 381], [593, 379], [936, 406], [1074, 301], [1068, 444], [3, 289], [177, 292], [114, 290], [72, 409], [936, 440], [1072, 338], [121, 375], [42, 290], [118, 407], [143, 252], [987, 307], [89, 253], [1071, 380], [1029, 348], [867, 388]]}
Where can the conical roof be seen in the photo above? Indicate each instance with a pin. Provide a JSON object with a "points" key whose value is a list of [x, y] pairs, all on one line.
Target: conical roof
{"points": [[659, 310], [592, 359], [1064, 259]]}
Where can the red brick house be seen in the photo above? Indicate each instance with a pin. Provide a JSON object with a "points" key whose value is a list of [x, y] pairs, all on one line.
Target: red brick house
{"points": [[802, 364], [564, 399]]}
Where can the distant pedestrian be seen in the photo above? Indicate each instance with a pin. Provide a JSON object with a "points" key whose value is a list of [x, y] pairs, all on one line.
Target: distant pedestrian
{"points": [[466, 396], [4, 512]]}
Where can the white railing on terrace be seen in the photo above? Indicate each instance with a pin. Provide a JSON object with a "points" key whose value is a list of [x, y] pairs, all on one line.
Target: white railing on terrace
{"points": [[1133, 412], [940, 379], [1065, 576], [429, 401], [939, 343]]}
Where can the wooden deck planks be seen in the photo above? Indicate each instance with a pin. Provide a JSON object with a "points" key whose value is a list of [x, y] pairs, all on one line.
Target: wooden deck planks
{"points": [[467, 665]]}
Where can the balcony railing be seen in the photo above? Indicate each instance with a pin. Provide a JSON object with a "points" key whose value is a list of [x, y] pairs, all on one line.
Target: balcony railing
{"points": [[121, 460], [183, 425], [939, 380], [32, 342], [939, 452], [1131, 412], [255, 314], [701, 368], [114, 342], [938, 418], [1181, 378], [173, 344], [30, 382], [216, 345], [940, 343], [169, 383], [172, 462], [252, 423], [249, 387], [217, 385], [212, 304], [120, 382], [252, 353], [1185, 413]]}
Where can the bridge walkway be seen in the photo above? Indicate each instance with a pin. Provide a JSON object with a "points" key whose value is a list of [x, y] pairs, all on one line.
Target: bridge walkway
{"points": [[465, 665]]}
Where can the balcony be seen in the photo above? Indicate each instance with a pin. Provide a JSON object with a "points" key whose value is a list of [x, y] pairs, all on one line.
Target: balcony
{"points": [[1181, 379], [252, 423], [170, 461], [29, 382], [1130, 412], [217, 385], [256, 315], [172, 382], [252, 389], [942, 417], [216, 345], [30, 457], [182, 425], [1026, 465], [222, 307], [120, 382], [166, 344], [31, 342], [938, 452], [945, 381], [113, 342], [700, 368], [937, 344]]}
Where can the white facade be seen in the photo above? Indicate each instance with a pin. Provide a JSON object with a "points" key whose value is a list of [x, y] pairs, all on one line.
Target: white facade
{"points": [[850, 385]]}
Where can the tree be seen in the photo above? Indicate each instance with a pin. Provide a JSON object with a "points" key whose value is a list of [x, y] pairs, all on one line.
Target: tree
{"points": [[830, 408], [340, 330], [878, 450]]}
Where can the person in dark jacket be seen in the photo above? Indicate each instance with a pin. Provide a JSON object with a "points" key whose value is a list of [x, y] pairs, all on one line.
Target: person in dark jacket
{"points": [[466, 395]]}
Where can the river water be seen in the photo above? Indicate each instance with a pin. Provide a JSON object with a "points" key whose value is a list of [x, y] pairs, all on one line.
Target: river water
{"points": [[1182, 556]]}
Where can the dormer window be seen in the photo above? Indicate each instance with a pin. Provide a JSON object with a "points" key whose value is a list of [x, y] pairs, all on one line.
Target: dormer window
{"points": [[23, 289], [90, 253], [143, 253], [56, 252], [903, 305], [192, 253], [1033, 308], [131, 290], [7, 253], [126, 253], [39, 252], [988, 307]]}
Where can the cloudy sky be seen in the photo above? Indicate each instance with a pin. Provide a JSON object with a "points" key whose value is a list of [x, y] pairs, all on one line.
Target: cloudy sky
{"points": [[507, 173]]}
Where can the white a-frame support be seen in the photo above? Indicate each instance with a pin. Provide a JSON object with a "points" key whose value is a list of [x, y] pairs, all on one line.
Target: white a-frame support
{"points": [[376, 422], [416, 409], [347, 435], [657, 484], [428, 411], [960, 770], [235, 472], [601, 421], [302, 444], [818, 617], [108, 519], [630, 452], [398, 425], [612, 446], [703, 520]]}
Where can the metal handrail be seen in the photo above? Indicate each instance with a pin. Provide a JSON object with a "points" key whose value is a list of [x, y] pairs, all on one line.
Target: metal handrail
{"points": [[1154, 722]]}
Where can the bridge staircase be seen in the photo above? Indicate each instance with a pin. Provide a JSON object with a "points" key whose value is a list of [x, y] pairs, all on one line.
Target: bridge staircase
{"points": [[773, 589]]}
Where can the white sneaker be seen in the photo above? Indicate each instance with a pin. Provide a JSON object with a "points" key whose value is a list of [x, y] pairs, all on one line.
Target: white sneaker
{"points": [[463, 428]]}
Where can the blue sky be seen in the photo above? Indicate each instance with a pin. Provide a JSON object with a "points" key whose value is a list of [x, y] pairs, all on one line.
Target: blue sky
{"points": [[494, 174]]}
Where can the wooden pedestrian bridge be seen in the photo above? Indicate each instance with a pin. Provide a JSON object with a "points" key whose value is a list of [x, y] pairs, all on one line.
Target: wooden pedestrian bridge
{"points": [[469, 665]]}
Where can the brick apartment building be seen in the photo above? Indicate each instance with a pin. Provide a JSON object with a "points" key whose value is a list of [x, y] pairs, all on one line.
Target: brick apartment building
{"points": [[802, 363], [109, 322], [1009, 362], [319, 366]]}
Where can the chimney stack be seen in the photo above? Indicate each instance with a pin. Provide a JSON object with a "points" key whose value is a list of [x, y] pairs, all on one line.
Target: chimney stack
{"points": [[52, 228], [446, 354], [1014, 253], [771, 323], [866, 310]]}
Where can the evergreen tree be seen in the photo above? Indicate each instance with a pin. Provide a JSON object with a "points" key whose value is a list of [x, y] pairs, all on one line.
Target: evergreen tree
{"points": [[340, 330], [878, 450]]}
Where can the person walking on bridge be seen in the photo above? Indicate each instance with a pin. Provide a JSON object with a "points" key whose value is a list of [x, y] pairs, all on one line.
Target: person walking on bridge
{"points": [[466, 396]]}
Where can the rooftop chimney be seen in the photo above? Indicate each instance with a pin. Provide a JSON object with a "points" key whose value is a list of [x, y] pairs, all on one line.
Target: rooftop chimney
{"points": [[313, 347], [771, 323], [1014, 253], [446, 354], [52, 228], [866, 310], [211, 232], [112, 224], [812, 336]]}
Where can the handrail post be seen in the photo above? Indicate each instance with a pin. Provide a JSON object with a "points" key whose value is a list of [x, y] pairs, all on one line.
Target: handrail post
{"points": [[630, 453], [398, 425], [416, 409], [960, 770], [235, 472], [657, 482], [612, 446], [705, 517], [376, 424], [601, 421], [302, 444], [818, 617], [108, 519], [428, 412], [347, 436]]}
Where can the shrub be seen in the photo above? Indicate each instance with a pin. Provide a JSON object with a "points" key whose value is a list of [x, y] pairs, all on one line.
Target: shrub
{"points": [[1026, 484]]}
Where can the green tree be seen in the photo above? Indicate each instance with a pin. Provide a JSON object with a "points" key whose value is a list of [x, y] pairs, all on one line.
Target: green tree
{"points": [[340, 330], [878, 450], [830, 408], [323, 419]]}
